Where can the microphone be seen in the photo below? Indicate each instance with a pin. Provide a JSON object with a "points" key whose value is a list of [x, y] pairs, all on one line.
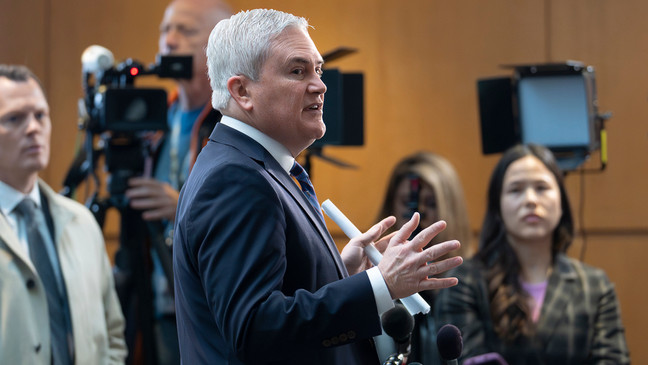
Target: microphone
{"points": [[96, 59], [398, 323], [449, 343]]}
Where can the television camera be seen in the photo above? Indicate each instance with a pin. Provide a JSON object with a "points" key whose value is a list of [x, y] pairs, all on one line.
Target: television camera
{"points": [[124, 123], [120, 118]]}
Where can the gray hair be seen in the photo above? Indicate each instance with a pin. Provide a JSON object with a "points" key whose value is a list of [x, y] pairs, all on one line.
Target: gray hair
{"points": [[240, 46]]}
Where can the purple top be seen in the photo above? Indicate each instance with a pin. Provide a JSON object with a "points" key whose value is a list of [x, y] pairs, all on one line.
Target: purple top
{"points": [[537, 292]]}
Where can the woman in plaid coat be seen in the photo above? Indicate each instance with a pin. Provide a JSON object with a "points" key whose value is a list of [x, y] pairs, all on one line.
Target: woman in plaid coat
{"points": [[521, 296]]}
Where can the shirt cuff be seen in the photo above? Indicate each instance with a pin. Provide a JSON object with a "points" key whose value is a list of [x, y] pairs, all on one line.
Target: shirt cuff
{"points": [[384, 301]]}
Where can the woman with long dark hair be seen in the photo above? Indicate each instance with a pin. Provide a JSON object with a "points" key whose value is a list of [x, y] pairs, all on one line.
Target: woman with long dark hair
{"points": [[520, 295]]}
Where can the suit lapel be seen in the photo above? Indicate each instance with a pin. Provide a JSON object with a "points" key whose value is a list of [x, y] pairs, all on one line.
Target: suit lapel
{"points": [[562, 289], [248, 146], [10, 239], [273, 168], [59, 217]]}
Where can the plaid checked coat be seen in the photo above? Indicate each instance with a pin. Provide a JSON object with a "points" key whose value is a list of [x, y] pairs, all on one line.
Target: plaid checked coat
{"points": [[580, 321]]}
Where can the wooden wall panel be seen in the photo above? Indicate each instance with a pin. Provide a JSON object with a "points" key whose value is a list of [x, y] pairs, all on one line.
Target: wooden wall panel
{"points": [[613, 38], [421, 60], [23, 37]]}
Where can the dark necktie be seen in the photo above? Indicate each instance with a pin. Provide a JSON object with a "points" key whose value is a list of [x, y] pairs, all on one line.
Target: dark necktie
{"points": [[61, 333], [298, 172]]}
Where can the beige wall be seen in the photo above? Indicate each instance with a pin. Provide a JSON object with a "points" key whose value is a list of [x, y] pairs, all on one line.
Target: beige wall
{"points": [[421, 60]]}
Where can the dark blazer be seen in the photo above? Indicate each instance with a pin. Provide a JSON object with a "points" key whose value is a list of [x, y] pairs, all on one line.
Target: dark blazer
{"points": [[580, 321], [258, 278]]}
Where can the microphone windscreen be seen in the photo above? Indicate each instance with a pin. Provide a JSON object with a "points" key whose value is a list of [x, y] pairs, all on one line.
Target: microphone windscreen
{"points": [[449, 342], [96, 59], [398, 323]]}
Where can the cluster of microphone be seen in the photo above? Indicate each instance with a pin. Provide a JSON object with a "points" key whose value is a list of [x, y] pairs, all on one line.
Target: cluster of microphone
{"points": [[398, 323]]}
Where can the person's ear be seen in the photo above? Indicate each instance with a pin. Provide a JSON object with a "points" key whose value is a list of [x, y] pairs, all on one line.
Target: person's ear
{"points": [[238, 87]]}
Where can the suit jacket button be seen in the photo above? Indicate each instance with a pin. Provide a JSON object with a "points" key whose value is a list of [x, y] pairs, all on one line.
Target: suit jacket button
{"points": [[351, 335], [37, 348], [30, 283], [344, 337], [326, 343], [335, 340]]}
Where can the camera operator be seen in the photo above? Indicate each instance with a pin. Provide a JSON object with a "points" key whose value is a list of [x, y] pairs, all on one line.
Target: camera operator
{"points": [[184, 30]]}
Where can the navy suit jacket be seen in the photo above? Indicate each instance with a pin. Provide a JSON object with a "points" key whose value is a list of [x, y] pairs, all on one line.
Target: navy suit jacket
{"points": [[258, 278]]}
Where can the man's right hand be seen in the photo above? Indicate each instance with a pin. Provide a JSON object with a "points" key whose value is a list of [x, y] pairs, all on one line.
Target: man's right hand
{"points": [[407, 268], [157, 200]]}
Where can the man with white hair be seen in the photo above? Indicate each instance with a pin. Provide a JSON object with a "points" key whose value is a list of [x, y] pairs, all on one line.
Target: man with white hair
{"points": [[258, 278]]}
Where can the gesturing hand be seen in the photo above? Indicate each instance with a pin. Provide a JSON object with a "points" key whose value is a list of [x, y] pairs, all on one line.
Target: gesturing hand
{"points": [[407, 268], [353, 254]]}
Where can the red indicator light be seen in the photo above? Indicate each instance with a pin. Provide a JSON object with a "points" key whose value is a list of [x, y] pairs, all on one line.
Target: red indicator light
{"points": [[134, 71]]}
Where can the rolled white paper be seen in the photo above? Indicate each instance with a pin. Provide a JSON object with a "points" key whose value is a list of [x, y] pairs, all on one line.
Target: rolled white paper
{"points": [[414, 303]]}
